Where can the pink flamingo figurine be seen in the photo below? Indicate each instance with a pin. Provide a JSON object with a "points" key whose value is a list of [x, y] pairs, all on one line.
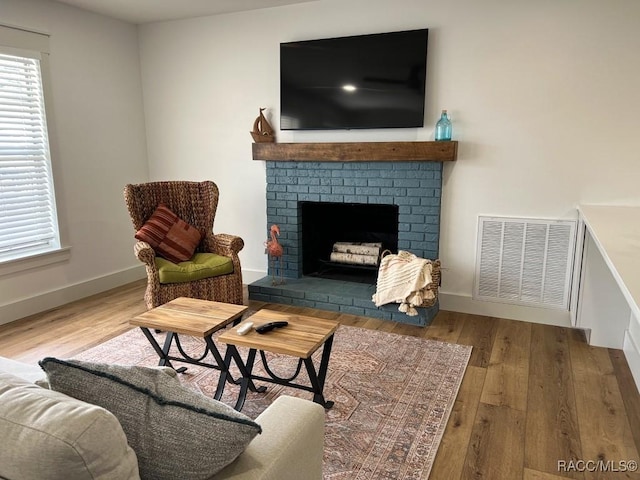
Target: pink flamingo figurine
{"points": [[274, 250]]}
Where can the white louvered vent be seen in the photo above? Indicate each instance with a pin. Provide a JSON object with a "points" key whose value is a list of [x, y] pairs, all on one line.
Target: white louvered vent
{"points": [[525, 261]]}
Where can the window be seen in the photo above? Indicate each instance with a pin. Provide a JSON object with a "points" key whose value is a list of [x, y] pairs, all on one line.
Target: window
{"points": [[28, 220]]}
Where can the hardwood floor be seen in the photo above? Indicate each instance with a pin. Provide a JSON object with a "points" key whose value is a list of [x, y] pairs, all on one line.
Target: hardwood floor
{"points": [[536, 402]]}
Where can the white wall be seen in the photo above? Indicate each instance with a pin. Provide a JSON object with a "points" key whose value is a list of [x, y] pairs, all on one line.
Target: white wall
{"points": [[543, 96], [98, 145]]}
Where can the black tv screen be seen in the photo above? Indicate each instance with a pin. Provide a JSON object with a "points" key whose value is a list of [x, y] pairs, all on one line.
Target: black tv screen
{"points": [[364, 81]]}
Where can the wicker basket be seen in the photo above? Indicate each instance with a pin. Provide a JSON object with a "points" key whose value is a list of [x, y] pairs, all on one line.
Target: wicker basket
{"points": [[434, 285]]}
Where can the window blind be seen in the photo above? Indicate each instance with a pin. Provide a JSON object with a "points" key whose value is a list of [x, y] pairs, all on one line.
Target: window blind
{"points": [[27, 207]]}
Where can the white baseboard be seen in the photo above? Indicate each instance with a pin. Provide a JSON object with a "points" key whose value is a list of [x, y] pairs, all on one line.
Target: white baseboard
{"points": [[632, 354], [250, 276], [70, 293], [466, 304]]}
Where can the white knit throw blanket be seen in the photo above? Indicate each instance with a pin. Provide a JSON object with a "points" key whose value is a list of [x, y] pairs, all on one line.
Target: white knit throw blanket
{"points": [[403, 279]]}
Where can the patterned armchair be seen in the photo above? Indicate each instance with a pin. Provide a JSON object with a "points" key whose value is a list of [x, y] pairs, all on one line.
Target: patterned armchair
{"points": [[196, 204]]}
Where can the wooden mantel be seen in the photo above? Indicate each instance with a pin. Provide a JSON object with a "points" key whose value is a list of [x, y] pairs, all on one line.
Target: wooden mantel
{"points": [[357, 152]]}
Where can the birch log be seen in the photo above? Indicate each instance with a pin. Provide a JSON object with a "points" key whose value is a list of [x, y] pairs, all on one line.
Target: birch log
{"points": [[358, 248], [354, 258]]}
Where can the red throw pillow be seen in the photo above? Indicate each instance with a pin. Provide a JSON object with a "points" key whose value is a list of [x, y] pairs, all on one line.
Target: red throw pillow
{"points": [[169, 235]]}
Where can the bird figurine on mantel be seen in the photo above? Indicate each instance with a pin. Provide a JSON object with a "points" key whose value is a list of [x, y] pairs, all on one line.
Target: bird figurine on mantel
{"points": [[275, 251]]}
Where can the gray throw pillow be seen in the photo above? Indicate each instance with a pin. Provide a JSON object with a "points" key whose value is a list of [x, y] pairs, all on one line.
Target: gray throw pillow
{"points": [[177, 433], [47, 434]]}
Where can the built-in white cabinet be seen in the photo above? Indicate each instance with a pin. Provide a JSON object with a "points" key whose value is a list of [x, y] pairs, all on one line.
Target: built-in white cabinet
{"points": [[607, 279]]}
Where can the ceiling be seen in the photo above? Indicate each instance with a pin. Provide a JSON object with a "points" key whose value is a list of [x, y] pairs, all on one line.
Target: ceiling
{"points": [[147, 11]]}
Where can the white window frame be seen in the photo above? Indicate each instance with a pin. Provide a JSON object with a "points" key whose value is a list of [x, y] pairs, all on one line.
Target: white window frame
{"points": [[28, 44]]}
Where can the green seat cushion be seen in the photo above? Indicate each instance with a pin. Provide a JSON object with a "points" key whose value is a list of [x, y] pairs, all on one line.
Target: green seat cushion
{"points": [[201, 265]]}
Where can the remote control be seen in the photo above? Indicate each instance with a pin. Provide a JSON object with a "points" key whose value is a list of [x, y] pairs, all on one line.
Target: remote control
{"points": [[267, 327], [245, 328]]}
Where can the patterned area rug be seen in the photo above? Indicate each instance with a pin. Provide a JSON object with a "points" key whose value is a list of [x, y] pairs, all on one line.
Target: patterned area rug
{"points": [[393, 395]]}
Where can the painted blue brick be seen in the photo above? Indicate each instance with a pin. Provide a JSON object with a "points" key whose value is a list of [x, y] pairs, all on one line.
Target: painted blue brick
{"points": [[406, 182], [428, 175], [288, 212], [414, 236], [309, 197], [340, 300], [308, 181], [406, 201], [381, 200], [432, 219], [272, 187], [421, 228], [370, 191], [330, 181], [287, 180], [298, 188], [380, 182], [306, 303], [404, 210], [431, 237], [286, 196], [412, 218], [393, 191], [283, 172], [356, 198], [352, 310], [260, 297], [343, 190], [424, 210], [281, 299], [377, 313], [278, 204], [317, 297], [371, 174], [430, 183], [433, 201], [280, 220], [321, 189], [331, 198], [363, 302], [405, 166], [332, 307], [356, 182]]}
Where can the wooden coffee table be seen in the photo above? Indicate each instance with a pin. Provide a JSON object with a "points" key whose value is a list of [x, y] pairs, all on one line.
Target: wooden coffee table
{"points": [[301, 338], [194, 317]]}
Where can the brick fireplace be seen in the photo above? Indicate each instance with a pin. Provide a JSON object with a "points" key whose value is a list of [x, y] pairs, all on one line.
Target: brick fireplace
{"points": [[413, 186]]}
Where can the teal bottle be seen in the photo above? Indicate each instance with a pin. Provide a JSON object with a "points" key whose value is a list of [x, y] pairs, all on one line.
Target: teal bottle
{"points": [[443, 128]]}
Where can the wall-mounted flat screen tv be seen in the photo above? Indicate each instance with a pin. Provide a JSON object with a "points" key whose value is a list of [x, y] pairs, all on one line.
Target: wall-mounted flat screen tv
{"points": [[364, 81]]}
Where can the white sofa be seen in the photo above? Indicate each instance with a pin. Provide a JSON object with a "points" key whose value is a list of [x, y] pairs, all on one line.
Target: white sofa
{"points": [[290, 446]]}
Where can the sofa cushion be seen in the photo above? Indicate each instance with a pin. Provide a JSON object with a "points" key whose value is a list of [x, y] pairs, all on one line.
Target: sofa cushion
{"points": [[177, 433], [201, 265], [169, 235], [46, 434]]}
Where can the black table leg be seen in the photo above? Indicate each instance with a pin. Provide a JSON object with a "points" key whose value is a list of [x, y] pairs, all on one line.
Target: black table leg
{"points": [[246, 382], [163, 352], [317, 380]]}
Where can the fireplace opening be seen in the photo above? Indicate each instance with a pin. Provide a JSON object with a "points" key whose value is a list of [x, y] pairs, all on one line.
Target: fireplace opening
{"points": [[323, 224]]}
